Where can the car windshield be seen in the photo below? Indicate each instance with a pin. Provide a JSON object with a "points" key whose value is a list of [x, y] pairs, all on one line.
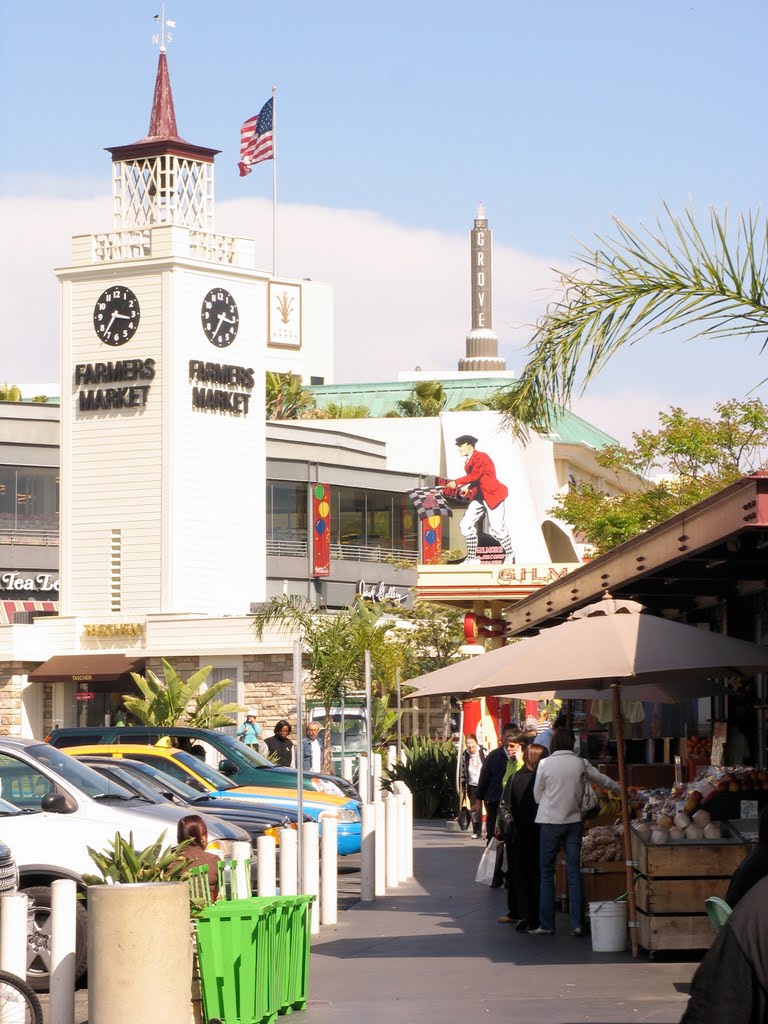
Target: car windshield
{"points": [[6, 809], [239, 751], [116, 773], [159, 782], [83, 778], [216, 779]]}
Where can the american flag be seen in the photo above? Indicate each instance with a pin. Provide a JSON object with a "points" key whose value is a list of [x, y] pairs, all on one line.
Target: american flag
{"points": [[256, 139]]}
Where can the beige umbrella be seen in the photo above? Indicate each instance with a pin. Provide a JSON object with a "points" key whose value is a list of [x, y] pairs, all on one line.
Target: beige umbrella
{"points": [[603, 648]]}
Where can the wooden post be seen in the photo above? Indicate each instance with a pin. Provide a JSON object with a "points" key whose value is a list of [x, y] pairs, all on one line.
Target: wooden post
{"points": [[631, 901]]}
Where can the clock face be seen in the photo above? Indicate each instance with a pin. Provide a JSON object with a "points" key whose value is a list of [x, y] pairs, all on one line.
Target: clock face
{"points": [[116, 315], [219, 317]]}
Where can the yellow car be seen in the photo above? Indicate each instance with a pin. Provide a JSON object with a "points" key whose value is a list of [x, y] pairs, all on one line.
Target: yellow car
{"points": [[196, 773]]}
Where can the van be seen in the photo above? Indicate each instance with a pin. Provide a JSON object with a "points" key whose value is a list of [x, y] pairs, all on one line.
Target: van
{"points": [[349, 729]]}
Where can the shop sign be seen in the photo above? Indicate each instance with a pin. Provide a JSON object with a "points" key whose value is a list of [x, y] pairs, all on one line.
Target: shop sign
{"points": [[533, 573], [84, 696], [114, 629], [43, 581], [124, 375], [221, 387], [379, 592]]}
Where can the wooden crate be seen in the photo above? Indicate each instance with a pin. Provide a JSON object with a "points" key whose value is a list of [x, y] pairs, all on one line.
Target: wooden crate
{"points": [[682, 931], [678, 878], [603, 880]]}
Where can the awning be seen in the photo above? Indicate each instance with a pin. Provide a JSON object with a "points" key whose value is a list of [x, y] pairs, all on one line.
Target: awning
{"points": [[23, 611], [85, 668]]}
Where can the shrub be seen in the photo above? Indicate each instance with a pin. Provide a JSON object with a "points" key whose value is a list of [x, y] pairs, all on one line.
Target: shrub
{"points": [[430, 774]]}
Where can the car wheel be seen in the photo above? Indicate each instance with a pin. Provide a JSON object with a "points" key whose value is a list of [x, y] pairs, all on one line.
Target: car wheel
{"points": [[39, 938]]}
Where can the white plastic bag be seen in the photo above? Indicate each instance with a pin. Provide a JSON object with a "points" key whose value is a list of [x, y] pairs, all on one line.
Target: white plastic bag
{"points": [[487, 864]]}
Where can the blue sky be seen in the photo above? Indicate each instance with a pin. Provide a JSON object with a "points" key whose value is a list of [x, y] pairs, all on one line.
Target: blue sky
{"points": [[393, 122]]}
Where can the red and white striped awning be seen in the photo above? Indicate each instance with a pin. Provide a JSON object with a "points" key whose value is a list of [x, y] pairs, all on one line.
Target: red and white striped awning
{"points": [[9, 608]]}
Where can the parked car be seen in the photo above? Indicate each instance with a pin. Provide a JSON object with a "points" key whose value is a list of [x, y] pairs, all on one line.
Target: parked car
{"points": [[222, 751], [54, 808], [147, 782], [202, 777]]}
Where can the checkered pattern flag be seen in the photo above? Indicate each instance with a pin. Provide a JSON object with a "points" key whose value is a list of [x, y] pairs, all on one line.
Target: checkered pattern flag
{"points": [[429, 501]]}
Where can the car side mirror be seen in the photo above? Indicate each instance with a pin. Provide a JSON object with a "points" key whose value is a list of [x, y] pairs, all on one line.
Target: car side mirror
{"points": [[227, 767], [57, 803]]}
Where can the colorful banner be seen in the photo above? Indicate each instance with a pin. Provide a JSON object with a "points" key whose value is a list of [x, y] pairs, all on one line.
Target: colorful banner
{"points": [[431, 540], [321, 530]]}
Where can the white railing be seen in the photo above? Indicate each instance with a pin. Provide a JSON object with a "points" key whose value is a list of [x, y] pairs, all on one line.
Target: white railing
{"points": [[131, 244], [44, 538], [343, 552]]}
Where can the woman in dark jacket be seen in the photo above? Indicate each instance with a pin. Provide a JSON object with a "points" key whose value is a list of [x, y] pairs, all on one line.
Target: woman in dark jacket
{"points": [[523, 844], [280, 745], [470, 766]]}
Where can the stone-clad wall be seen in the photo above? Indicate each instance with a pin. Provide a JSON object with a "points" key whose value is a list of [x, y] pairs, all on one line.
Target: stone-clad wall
{"points": [[10, 696], [268, 687]]}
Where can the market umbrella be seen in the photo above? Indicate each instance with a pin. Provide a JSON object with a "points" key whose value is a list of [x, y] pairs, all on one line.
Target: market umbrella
{"points": [[603, 648]]}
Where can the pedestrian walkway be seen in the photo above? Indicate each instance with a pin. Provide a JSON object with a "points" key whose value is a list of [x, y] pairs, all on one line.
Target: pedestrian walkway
{"points": [[431, 951]]}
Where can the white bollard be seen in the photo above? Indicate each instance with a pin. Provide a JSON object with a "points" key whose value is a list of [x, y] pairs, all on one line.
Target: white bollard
{"points": [[13, 934], [391, 756], [289, 862], [241, 855], [63, 936], [376, 778], [266, 866], [379, 878], [310, 849], [409, 827], [402, 839], [348, 767], [364, 779], [391, 813], [329, 862], [139, 953], [368, 853]]}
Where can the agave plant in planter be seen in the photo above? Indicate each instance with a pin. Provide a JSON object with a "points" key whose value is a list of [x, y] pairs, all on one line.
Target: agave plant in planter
{"points": [[121, 863], [430, 774]]}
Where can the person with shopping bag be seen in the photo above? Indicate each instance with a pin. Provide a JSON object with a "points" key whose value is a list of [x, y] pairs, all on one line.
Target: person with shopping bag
{"points": [[470, 766], [559, 790]]}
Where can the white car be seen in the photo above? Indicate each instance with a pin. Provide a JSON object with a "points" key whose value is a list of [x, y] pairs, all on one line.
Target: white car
{"points": [[52, 808]]}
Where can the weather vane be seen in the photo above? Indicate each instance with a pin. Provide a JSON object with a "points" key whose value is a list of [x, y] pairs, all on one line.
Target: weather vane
{"points": [[162, 37]]}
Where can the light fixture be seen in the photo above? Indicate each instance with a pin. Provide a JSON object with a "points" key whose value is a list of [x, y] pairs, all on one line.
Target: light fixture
{"points": [[714, 562]]}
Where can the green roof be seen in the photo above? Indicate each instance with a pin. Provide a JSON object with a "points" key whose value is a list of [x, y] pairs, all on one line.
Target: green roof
{"points": [[382, 397]]}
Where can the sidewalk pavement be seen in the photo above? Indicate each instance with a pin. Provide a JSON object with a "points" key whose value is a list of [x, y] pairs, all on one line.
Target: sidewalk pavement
{"points": [[432, 950]]}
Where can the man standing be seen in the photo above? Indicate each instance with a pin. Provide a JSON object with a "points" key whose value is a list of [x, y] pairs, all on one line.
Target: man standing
{"points": [[487, 494], [312, 749]]}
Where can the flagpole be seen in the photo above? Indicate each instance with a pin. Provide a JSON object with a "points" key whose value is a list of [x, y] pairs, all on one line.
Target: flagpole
{"points": [[274, 181]]}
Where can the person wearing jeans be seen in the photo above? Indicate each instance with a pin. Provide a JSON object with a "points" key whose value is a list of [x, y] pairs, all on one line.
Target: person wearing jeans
{"points": [[558, 789]]}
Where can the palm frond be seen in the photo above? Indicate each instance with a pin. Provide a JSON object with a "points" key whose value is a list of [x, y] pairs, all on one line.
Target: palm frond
{"points": [[712, 283]]}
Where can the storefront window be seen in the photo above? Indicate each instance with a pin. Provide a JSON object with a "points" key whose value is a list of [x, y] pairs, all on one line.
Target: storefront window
{"points": [[287, 506], [29, 498], [347, 516]]}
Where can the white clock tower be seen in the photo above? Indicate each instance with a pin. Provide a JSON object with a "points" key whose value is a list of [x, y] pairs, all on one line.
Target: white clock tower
{"points": [[164, 342]]}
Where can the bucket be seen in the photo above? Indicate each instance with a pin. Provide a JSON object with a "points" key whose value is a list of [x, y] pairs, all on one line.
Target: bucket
{"points": [[608, 922]]}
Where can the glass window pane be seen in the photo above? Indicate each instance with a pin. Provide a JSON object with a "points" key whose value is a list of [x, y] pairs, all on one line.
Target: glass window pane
{"points": [[288, 505]]}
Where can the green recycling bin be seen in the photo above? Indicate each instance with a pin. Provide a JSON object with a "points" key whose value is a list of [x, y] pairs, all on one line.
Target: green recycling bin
{"points": [[292, 924], [237, 950]]}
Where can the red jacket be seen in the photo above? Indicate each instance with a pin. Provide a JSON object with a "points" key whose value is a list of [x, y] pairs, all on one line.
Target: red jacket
{"points": [[481, 477]]}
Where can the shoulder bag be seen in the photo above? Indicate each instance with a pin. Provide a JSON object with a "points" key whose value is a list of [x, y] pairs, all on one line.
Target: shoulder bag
{"points": [[590, 805]]}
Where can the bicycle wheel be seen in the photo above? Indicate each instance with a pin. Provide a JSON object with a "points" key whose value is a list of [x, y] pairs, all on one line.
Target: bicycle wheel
{"points": [[18, 1003]]}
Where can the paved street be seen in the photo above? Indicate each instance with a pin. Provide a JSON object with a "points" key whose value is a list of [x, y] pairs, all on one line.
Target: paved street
{"points": [[432, 951]]}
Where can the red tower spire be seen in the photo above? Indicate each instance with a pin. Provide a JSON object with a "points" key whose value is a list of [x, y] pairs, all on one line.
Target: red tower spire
{"points": [[162, 123]]}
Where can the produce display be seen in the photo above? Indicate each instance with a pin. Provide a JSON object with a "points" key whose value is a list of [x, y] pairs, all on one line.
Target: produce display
{"points": [[699, 748], [603, 843]]}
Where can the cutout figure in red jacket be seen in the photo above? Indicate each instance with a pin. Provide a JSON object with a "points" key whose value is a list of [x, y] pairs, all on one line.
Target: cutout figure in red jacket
{"points": [[487, 494]]}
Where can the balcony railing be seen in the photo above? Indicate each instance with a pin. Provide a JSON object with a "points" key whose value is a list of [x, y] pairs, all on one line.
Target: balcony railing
{"points": [[344, 552], [43, 538]]}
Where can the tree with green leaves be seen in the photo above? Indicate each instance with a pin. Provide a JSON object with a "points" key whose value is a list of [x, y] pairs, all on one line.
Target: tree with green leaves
{"points": [[709, 282], [426, 398], [697, 457], [335, 645], [168, 702], [10, 392], [336, 411], [287, 398]]}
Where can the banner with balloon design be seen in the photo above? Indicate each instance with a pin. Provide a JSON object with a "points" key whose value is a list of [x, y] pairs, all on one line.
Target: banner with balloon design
{"points": [[321, 530]]}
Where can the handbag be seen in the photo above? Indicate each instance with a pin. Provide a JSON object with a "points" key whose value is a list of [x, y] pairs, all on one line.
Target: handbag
{"points": [[487, 865], [590, 805], [505, 822]]}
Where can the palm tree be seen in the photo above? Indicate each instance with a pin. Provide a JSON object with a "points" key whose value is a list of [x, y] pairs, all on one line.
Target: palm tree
{"points": [[287, 398], [10, 392], [166, 703], [427, 398], [347, 412], [627, 287], [334, 643]]}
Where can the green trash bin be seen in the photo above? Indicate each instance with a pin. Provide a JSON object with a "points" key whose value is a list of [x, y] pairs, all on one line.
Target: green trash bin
{"points": [[237, 950], [292, 923]]}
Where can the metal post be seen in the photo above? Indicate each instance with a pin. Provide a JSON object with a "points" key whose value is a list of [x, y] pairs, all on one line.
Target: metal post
{"points": [[299, 766], [369, 737], [63, 938], [266, 866], [289, 872], [379, 878], [368, 850], [627, 838], [310, 869], [329, 857], [399, 712]]}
